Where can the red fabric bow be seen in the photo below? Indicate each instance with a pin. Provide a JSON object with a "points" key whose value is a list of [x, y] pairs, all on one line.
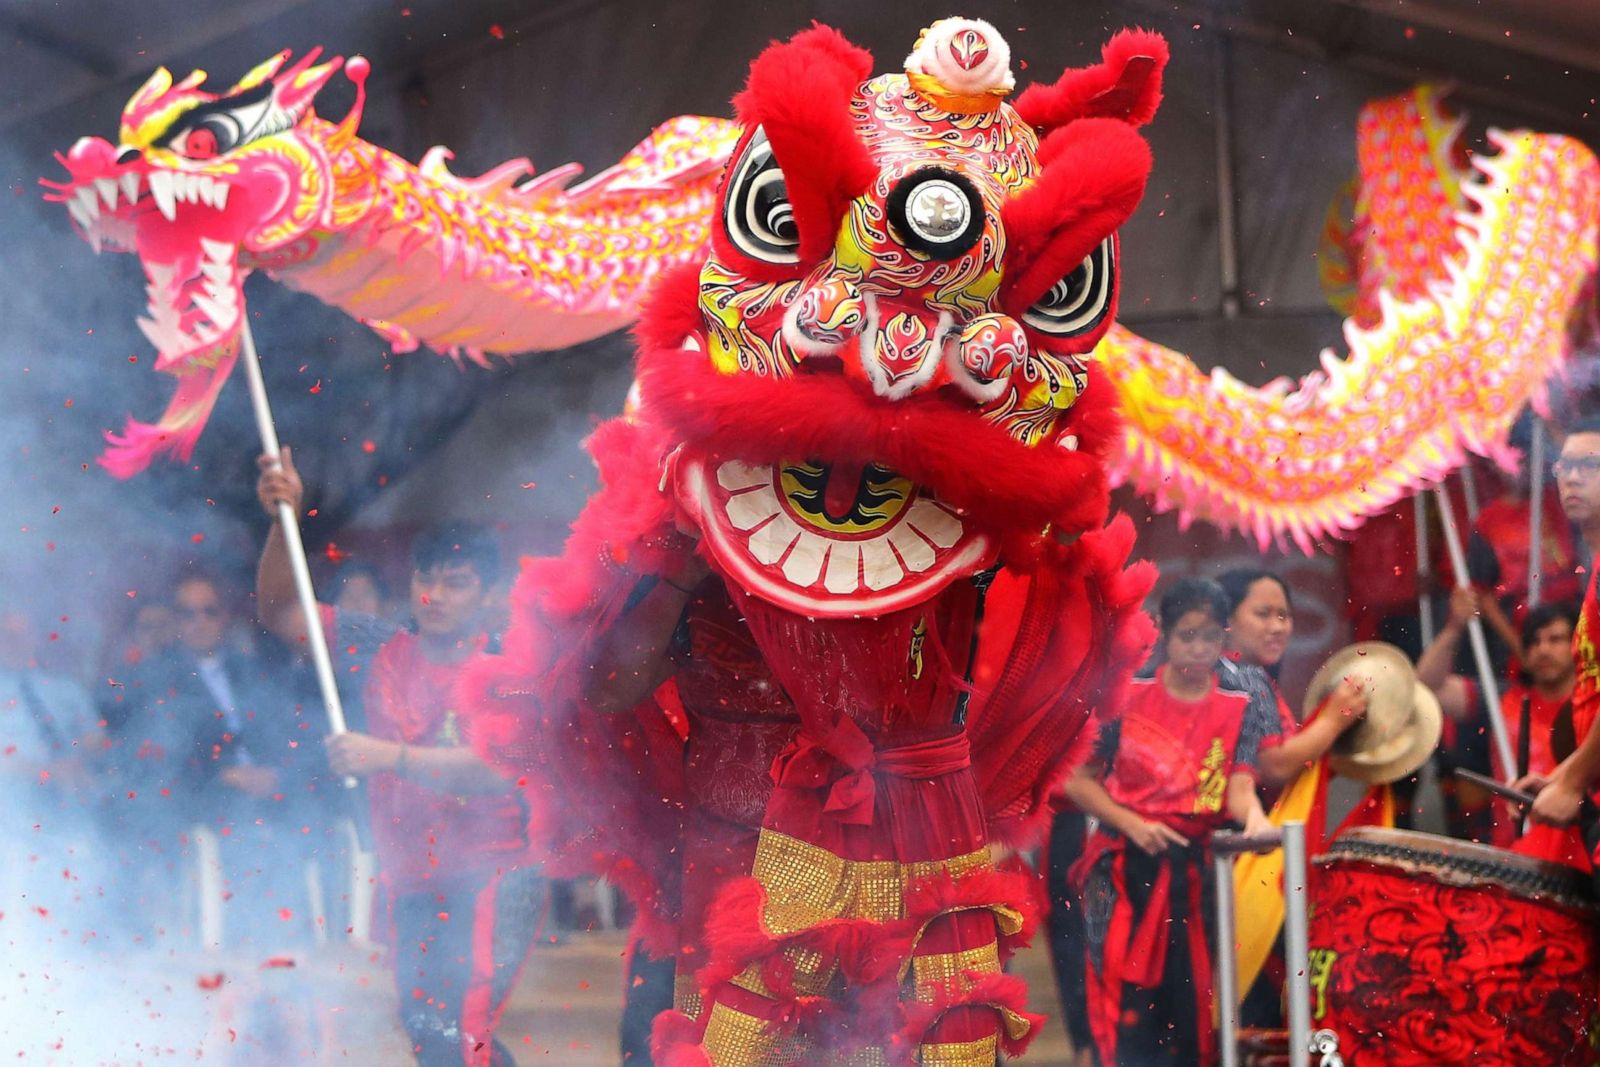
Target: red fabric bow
{"points": [[812, 762]]}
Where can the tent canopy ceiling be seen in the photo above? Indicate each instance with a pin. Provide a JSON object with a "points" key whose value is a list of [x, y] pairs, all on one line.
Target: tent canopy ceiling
{"points": [[1538, 53]]}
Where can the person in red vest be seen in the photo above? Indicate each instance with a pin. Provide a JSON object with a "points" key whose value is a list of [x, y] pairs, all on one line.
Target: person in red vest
{"points": [[1176, 763], [1534, 710], [451, 833], [1577, 471]]}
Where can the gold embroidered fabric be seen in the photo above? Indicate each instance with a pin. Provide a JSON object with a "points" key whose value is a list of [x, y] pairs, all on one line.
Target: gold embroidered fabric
{"points": [[810, 979], [984, 1052], [733, 1037], [807, 884], [936, 971], [686, 995]]}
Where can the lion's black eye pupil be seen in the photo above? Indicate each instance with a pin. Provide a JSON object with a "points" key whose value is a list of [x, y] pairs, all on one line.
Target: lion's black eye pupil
{"points": [[1081, 300], [758, 213]]}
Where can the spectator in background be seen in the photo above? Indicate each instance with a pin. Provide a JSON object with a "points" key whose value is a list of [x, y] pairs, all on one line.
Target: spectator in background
{"points": [[1173, 765], [1260, 625], [450, 833], [154, 630], [146, 630], [361, 591], [210, 736], [1533, 709], [50, 736], [1499, 556]]}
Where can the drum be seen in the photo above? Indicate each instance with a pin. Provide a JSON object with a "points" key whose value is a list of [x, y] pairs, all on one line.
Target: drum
{"points": [[1426, 950]]}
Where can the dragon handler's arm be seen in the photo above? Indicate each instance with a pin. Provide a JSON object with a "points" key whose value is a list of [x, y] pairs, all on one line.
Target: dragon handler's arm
{"points": [[453, 768], [277, 605]]}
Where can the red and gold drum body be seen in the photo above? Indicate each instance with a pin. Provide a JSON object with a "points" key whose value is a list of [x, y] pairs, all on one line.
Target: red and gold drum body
{"points": [[1426, 951]]}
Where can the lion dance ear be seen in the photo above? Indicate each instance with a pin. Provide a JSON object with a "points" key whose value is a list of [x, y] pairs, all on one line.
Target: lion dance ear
{"points": [[1125, 85], [799, 92]]}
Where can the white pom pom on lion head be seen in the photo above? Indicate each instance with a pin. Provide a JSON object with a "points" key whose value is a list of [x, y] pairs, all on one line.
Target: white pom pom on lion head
{"points": [[965, 59]]}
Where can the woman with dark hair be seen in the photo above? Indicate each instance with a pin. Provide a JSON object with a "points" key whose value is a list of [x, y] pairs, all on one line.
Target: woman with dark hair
{"points": [[1176, 764], [1260, 624]]}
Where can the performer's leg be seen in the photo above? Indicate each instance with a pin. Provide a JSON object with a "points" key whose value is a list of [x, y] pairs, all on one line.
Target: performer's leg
{"points": [[505, 920], [954, 950], [647, 993], [431, 968], [1065, 921]]}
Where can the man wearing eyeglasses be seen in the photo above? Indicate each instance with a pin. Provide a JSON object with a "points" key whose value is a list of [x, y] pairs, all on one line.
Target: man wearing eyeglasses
{"points": [[1577, 473], [211, 739]]}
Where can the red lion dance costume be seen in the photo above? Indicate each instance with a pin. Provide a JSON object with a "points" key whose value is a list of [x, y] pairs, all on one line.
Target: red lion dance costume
{"points": [[867, 403]]}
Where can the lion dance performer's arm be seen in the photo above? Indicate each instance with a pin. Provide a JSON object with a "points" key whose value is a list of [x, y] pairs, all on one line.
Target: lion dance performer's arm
{"points": [[602, 768]]}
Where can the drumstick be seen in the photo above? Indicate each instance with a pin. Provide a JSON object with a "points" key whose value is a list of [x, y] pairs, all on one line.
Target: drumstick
{"points": [[1499, 789]]}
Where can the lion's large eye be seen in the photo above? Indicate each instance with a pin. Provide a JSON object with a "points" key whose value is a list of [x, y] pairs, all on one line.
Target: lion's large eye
{"points": [[1080, 301], [759, 218], [216, 128]]}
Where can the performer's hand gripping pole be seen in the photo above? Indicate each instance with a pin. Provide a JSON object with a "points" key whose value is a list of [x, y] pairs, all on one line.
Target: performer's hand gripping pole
{"points": [[318, 640], [1480, 647]]}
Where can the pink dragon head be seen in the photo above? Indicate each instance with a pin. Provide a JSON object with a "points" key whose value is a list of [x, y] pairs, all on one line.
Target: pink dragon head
{"points": [[204, 187]]}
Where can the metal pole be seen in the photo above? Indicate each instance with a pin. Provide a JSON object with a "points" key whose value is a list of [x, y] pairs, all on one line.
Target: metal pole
{"points": [[1469, 491], [1536, 476], [1227, 998], [1227, 206], [1295, 947], [1480, 647], [315, 636], [1419, 506]]}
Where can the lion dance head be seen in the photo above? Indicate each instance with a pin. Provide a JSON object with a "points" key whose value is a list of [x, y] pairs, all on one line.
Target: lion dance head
{"points": [[880, 372]]}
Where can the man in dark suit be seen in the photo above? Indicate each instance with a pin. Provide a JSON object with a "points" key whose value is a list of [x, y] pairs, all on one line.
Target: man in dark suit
{"points": [[215, 740]]}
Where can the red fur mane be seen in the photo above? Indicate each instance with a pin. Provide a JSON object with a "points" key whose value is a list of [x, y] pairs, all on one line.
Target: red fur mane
{"points": [[1125, 85], [799, 92]]}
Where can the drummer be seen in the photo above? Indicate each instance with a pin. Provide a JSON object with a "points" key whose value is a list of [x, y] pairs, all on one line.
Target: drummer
{"points": [[1533, 713], [1577, 473], [1176, 764]]}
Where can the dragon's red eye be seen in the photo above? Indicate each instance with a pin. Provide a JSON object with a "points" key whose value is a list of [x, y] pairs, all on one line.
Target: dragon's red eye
{"points": [[200, 143]]}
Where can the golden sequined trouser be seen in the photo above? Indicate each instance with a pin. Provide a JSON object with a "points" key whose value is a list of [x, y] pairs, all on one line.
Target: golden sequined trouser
{"points": [[807, 886]]}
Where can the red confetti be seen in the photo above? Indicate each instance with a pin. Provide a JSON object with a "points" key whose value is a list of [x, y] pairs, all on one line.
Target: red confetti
{"points": [[285, 914], [530, 485], [197, 538], [335, 554], [278, 961], [444, 916], [210, 981], [498, 34], [318, 387], [368, 447]]}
